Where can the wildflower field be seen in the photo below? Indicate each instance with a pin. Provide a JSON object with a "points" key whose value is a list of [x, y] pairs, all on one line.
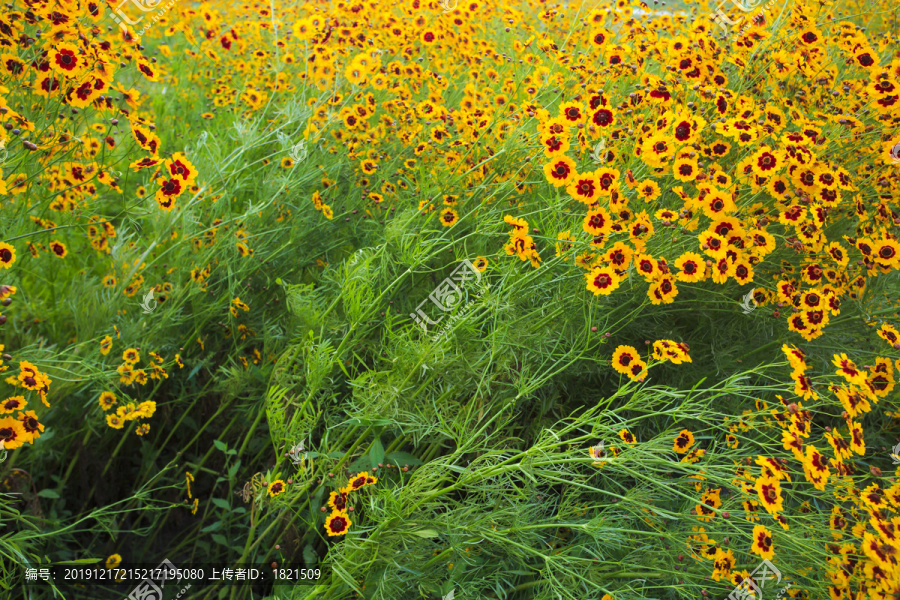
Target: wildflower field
{"points": [[450, 299]]}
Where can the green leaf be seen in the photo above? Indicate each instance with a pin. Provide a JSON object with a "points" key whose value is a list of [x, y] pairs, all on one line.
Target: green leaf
{"points": [[194, 371], [312, 454], [221, 503], [214, 527], [372, 422], [318, 498], [360, 464], [402, 458], [309, 555], [220, 539], [48, 493], [275, 409], [426, 533], [80, 561], [220, 445], [233, 469], [376, 454]]}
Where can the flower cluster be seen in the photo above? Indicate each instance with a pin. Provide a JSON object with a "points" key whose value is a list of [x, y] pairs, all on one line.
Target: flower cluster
{"points": [[338, 522], [126, 412], [24, 427]]}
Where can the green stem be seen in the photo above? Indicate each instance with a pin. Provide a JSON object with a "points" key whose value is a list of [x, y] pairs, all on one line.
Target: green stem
{"points": [[259, 415]]}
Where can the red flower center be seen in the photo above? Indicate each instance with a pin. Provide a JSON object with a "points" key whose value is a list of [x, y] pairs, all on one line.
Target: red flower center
{"points": [[603, 117], [339, 524]]}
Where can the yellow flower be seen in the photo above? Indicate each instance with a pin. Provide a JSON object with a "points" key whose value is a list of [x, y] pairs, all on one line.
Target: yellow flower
{"points": [[106, 400], [115, 421], [683, 441], [243, 249], [12, 433], [7, 255], [337, 523], [598, 453], [12, 404], [238, 304], [449, 217], [762, 543], [276, 487]]}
